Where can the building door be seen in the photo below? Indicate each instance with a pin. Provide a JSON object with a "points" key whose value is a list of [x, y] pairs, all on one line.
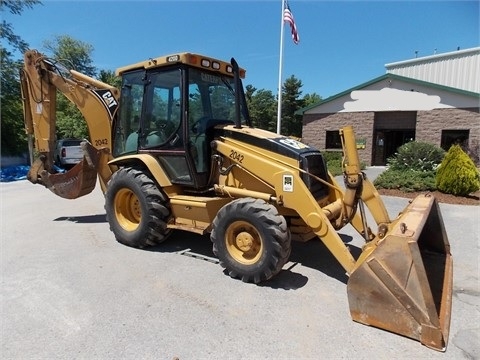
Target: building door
{"points": [[387, 142], [392, 129]]}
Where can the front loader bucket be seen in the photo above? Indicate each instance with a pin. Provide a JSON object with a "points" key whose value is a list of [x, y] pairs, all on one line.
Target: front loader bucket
{"points": [[76, 182], [403, 282]]}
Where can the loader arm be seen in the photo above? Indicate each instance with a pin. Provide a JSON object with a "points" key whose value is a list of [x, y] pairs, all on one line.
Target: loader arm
{"points": [[402, 279], [41, 80], [359, 190]]}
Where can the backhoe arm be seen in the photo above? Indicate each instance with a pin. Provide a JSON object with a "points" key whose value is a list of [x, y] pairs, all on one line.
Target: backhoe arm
{"points": [[41, 79]]}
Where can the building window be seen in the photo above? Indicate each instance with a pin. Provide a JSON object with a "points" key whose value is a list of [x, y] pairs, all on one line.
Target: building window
{"points": [[333, 140], [454, 137]]}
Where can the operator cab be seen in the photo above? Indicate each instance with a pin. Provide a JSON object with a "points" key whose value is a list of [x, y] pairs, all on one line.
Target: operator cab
{"points": [[169, 112]]}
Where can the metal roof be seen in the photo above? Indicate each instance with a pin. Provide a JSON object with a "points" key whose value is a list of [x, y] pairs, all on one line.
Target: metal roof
{"points": [[387, 76], [457, 69]]}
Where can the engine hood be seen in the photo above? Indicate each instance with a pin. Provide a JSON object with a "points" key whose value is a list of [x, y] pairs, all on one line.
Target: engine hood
{"points": [[267, 140]]}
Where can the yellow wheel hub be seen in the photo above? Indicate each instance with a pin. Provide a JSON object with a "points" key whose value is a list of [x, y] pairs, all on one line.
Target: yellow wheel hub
{"points": [[244, 242], [127, 209]]}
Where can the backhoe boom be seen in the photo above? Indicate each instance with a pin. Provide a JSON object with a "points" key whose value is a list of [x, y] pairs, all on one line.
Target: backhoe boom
{"points": [[41, 80]]}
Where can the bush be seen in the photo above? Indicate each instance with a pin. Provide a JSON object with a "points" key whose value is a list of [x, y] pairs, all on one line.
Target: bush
{"points": [[334, 162], [419, 156], [406, 180], [335, 167], [457, 173], [332, 155]]}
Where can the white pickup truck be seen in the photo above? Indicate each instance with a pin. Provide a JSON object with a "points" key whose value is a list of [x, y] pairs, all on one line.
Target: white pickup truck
{"points": [[68, 152]]}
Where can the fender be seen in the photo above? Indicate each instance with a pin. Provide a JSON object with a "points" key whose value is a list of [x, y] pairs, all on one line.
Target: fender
{"points": [[150, 162]]}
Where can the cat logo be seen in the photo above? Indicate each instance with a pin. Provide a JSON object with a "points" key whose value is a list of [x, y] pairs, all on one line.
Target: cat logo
{"points": [[108, 100]]}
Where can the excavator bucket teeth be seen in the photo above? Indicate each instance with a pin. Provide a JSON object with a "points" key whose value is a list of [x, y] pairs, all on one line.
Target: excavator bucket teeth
{"points": [[76, 182], [403, 282]]}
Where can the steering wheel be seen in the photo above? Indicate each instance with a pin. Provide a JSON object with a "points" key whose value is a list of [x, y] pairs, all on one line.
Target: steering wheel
{"points": [[155, 138]]}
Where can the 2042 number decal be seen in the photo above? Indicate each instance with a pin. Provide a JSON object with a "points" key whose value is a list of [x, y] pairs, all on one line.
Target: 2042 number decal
{"points": [[236, 156], [100, 142]]}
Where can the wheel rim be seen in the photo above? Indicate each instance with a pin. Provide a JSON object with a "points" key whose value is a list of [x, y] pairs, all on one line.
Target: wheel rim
{"points": [[127, 209], [244, 242]]}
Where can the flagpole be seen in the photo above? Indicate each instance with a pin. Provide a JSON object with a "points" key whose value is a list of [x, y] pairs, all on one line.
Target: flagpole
{"points": [[280, 65]]}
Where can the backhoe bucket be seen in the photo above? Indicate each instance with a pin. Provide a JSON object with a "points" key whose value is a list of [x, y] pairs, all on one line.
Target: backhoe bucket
{"points": [[403, 282], [76, 182]]}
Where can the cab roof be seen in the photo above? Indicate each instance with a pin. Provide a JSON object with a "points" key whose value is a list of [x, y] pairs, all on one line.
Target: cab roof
{"points": [[197, 60]]}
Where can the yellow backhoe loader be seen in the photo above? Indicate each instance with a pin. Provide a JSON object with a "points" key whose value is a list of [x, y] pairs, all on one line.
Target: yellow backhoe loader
{"points": [[174, 149]]}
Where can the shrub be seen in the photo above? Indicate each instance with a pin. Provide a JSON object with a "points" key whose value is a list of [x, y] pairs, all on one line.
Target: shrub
{"points": [[332, 155], [406, 180], [335, 167], [334, 162], [457, 173], [416, 155]]}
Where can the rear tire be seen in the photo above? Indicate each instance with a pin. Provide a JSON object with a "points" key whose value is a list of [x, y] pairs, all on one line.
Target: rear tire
{"points": [[251, 240], [137, 210]]}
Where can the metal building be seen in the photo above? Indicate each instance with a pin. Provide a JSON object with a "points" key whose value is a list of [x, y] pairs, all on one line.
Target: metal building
{"points": [[457, 69], [434, 99]]}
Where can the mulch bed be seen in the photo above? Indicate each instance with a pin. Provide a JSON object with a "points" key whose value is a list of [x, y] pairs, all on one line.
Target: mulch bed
{"points": [[472, 199]]}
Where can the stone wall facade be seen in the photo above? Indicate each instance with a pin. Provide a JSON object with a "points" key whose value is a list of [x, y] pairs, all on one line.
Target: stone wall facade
{"points": [[315, 127], [429, 126], [431, 123]]}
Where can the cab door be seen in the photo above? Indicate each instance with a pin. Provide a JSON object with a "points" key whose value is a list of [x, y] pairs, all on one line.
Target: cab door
{"points": [[163, 129]]}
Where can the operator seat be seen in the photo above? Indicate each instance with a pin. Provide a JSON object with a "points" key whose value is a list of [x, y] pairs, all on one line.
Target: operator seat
{"points": [[203, 140], [132, 142]]}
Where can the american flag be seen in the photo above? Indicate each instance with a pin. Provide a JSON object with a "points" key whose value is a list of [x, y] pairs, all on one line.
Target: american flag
{"points": [[288, 17]]}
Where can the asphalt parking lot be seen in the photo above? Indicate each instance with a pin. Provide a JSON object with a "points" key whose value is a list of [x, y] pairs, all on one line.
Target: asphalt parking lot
{"points": [[70, 291]]}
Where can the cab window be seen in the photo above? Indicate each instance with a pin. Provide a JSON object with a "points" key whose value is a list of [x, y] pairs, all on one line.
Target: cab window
{"points": [[161, 122], [127, 125]]}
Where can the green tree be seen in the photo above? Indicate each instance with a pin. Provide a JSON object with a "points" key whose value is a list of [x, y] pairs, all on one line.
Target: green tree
{"points": [[13, 138], [311, 99], [73, 54], [249, 91], [109, 77], [263, 108], [6, 29], [14, 141], [70, 122], [291, 124]]}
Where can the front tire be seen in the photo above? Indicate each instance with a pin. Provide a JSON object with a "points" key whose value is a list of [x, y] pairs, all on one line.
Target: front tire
{"points": [[251, 240], [137, 210]]}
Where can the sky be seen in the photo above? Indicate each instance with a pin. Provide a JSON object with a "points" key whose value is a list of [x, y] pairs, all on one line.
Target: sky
{"points": [[342, 43]]}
